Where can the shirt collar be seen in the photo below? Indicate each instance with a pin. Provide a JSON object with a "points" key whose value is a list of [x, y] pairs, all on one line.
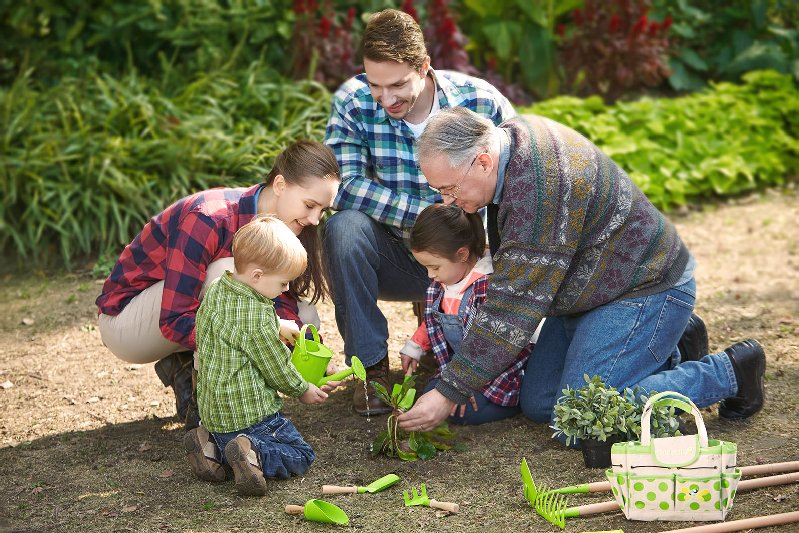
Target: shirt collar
{"points": [[242, 288], [248, 204], [502, 166]]}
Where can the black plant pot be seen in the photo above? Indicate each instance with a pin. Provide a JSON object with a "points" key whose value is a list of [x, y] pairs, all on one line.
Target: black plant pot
{"points": [[596, 453]]}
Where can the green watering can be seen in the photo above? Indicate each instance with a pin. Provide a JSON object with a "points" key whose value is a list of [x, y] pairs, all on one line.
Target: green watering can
{"points": [[320, 511], [311, 358]]}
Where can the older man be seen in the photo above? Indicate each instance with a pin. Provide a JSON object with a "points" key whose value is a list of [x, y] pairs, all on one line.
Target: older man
{"points": [[573, 240]]}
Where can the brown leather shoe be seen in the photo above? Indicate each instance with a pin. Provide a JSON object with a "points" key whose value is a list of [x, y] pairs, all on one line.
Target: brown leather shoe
{"points": [[378, 373]]}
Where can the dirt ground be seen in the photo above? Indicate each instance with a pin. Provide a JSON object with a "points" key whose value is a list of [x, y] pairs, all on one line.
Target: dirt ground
{"points": [[90, 443]]}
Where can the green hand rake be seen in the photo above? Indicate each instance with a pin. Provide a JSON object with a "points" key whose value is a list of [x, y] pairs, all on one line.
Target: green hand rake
{"points": [[553, 507], [420, 498]]}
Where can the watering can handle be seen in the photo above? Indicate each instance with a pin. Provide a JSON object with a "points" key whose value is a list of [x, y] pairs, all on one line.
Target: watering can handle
{"points": [[301, 339], [336, 489], [295, 509], [444, 506]]}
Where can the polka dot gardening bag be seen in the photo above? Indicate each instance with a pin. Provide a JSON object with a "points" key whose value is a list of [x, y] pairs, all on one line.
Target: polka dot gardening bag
{"points": [[689, 477]]}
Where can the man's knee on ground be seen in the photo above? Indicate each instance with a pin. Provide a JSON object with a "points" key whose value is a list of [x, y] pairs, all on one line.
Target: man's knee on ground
{"points": [[536, 413]]}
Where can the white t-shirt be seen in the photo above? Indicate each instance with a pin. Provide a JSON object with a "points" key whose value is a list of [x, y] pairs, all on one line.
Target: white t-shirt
{"points": [[417, 129]]}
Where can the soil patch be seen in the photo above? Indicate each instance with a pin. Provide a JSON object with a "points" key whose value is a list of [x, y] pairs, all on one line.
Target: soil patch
{"points": [[90, 443]]}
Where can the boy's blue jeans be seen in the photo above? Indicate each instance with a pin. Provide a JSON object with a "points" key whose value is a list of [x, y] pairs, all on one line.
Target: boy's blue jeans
{"points": [[628, 343], [281, 448], [366, 263]]}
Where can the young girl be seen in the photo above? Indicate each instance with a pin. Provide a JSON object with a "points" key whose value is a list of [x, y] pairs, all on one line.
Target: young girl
{"points": [[451, 244], [148, 303]]}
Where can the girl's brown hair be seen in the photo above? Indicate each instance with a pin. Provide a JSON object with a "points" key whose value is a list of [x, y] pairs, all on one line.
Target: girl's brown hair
{"points": [[299, 164], [443, 229]]}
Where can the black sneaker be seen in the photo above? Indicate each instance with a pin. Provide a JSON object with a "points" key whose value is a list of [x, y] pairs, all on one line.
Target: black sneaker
{"points": [[749, 362]]}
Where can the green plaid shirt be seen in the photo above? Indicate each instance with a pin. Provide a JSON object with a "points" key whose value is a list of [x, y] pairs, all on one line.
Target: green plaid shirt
{"points": [[242, 362]]}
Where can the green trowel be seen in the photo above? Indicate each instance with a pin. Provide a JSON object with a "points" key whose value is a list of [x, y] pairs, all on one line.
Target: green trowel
{"points": [[381, 484]]}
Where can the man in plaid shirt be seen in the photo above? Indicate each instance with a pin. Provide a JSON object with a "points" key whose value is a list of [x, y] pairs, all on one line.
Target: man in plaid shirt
{"points": [[373, 128]]}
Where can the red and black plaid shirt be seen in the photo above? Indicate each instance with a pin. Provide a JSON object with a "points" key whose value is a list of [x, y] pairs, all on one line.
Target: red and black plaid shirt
{"points": [[176, 246], [504, 389]]}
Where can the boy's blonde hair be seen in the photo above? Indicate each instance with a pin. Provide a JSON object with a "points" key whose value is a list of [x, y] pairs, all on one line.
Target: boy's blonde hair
{"points": [[270, 245]]}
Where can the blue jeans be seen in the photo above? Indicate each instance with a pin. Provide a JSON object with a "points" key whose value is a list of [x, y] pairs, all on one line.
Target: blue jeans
{"points": [[486, 411], [366, 262], [281, 448], [627, 342]]}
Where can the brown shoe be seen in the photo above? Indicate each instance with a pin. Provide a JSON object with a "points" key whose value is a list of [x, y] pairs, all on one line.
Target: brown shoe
{"points": [[375, 405], [246, 467], [203, 455]]}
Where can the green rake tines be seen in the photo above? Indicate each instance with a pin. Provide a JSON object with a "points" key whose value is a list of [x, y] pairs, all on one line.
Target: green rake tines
{"points": [[554, 508]]}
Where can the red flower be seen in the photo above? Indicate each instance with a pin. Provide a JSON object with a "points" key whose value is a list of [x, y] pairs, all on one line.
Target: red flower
{"points": [[299, 6], [653, 29], [666, 24], [561, 29], [577, 16], [407, 6], [615, 24], [324, 26]]}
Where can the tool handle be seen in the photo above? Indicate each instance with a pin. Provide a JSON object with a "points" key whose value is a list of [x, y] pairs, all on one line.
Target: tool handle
{"points": [[336, 489], [591, 508], [771, 468], [444, 506], [295, 509], [769, 481], [743, 525]]}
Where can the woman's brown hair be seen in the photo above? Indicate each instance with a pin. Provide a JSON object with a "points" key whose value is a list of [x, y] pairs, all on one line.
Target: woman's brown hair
{"points": [[300, 163], [443, 229]]}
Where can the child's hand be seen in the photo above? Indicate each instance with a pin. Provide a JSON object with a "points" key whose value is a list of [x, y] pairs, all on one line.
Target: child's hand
{"points": [[330, 386], [288, 331], [462, 408], [313, 396], [409, 364], [332, 368]]}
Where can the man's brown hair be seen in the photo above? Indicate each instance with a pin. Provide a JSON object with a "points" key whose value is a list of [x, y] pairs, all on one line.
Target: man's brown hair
{"points": [[392, 35]]}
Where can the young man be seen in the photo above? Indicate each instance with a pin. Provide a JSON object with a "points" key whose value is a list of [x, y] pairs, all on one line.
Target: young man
{"points": [[374, 125], [576, 241]]}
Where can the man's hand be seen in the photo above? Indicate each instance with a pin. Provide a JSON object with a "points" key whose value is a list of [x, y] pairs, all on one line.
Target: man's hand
{"points": [[314, 395], [462, 407], [330, 386], [428, 412], [288, 331]]}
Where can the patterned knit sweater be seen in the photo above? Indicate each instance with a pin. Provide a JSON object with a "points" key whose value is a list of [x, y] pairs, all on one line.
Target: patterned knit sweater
{"points": [[575, 233]]}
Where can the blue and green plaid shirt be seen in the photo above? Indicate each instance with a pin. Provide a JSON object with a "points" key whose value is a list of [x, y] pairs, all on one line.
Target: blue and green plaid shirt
{"points": [[380, 175]]}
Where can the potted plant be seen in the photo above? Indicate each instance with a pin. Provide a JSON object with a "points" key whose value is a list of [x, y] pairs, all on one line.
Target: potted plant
{"points": [[597, 415]]}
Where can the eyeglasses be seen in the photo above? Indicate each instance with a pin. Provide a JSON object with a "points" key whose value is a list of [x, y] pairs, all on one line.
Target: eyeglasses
{"points": [[452, 190]]}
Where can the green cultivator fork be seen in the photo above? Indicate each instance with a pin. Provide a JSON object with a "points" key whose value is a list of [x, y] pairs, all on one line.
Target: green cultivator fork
{"points": [[420, 498]]}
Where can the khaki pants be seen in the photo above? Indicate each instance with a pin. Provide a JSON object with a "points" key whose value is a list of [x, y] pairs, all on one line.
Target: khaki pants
{"points": [[134, 336]]}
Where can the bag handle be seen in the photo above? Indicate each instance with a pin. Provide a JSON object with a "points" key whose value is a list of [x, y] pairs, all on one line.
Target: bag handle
{"points": [[672, 399], [301, 339]]}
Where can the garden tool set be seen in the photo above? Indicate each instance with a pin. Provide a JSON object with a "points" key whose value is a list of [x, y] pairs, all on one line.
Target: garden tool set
{"points": [[321, 511]]}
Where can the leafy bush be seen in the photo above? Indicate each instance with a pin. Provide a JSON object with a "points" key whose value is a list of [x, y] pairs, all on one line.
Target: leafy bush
{"points": [[613, 48], [722, 141], [722, 40], [598, 412], [72, 37], [88, 161]]}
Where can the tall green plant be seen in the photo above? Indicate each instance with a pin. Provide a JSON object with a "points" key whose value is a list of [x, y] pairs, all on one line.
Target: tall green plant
{"points": [[87, 162], [722, 141], [518, 38]]}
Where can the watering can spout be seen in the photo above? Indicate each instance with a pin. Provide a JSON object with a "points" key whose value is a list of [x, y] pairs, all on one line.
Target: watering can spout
{"points": [[357, 368]]}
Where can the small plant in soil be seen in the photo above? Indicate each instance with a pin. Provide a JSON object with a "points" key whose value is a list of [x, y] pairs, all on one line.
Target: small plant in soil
{"points": [[407, 445]]}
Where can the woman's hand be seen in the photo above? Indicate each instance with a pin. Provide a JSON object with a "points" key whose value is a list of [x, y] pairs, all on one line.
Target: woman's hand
{"points": [[313, 396], [330, 386], [289, 332]]}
